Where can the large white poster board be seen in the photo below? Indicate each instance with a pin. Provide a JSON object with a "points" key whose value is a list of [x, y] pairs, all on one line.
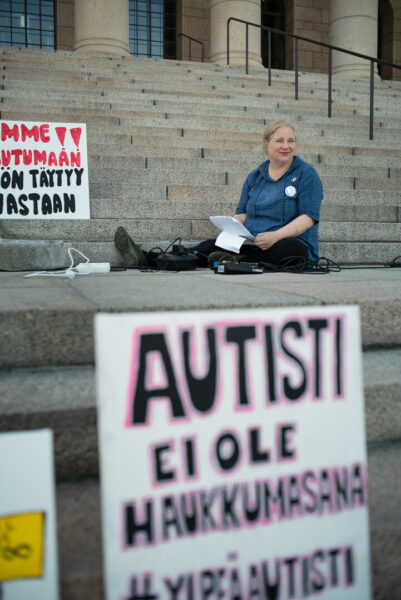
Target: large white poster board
{"points": [[43, 170], [233, 460], [28, 543]]}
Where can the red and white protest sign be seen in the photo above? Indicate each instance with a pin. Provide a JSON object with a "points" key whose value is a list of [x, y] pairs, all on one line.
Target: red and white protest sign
{"points": [[43, 171], [233, 455]]}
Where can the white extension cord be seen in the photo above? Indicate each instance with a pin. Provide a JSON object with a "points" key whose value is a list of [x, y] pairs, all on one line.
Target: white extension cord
{"points": [[88, 267], [83, 268]]}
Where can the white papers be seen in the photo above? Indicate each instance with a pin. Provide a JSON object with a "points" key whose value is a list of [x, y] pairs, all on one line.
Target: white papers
{"points": [[233, 233], [231, 225]]}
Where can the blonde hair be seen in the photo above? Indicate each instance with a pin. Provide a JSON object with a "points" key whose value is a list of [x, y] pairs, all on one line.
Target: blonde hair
{"points": [[274, 125]]}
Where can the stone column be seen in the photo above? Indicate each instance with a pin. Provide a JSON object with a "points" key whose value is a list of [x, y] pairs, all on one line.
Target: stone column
{"points": [[353, 26], [220, 11], [102, 27]]}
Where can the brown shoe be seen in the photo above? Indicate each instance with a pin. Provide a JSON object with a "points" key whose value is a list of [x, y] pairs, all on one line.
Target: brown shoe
{"points": [[130, 253]]}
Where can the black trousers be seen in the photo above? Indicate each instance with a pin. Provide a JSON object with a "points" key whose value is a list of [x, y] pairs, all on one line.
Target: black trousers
{"points": [[282, 251]]}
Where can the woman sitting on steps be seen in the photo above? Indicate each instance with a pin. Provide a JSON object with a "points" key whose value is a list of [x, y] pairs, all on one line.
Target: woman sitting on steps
{"points": [[279, 204]]}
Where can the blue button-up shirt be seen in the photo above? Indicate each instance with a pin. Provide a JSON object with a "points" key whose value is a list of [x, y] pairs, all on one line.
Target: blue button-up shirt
{"points": [[270, 205]]}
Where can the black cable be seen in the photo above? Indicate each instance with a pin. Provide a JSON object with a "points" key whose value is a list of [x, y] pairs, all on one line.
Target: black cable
{"points": [[178, 239], [26, 270], [324, 265], [268, 267], [300, 264], [303, 265], [158, 252], [355, 268], [394, 262], [158, 256]]}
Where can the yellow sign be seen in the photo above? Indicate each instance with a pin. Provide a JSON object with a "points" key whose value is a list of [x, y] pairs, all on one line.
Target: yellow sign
{"points": [[21, 546]]}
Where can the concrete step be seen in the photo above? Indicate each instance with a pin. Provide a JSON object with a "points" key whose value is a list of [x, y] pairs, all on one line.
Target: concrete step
{"points": [[191, 221], [260, 101], [104, 67], [236, 138], [97, 100], [144, 78], [135, 69], [122, 93], [114, 88], [362, 253], [146, 107], [128, 103], [11, 87], [63, 399], [102, 229], [234, 176], [62, 115], [347, 181], [176, 138], [144, 150], [112, 114], [241, 165], [333, 144], [135, 100], [14, 69], [135, 176], [361, 232], [35, 255], [154, 106], [79, 539], [51, 77], [364, 243], [162, 80], [333, 232], [249, 125], [14, 109], [232, 192], [207, 88], [75, 100], [126, 64], [189, 218], [314, 153], [365, 183], [30, 308], [358, 160], [384, 211], [18, 56], [200, 135], [343, 253]]}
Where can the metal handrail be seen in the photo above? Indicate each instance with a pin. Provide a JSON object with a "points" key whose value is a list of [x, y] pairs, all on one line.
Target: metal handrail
{"points": [[270, 30], [190, 40]]}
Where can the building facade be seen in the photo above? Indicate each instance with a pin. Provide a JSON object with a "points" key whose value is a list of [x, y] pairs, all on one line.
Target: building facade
{"points": [[154, 28]]}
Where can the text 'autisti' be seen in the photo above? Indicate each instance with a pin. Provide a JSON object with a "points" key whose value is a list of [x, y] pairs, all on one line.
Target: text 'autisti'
{"points": [[288, 376]]}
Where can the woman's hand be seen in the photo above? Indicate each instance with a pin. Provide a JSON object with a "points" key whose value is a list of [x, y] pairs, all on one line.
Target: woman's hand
{"points": [[266, 240], [241, 218], [300, 224]]}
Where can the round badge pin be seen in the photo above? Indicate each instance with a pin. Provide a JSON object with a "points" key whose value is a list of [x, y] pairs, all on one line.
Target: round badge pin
{"points": [[290, 191]]}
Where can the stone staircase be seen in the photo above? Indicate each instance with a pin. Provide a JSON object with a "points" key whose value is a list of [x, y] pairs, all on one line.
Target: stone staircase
{"points": [[169, 144]]}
